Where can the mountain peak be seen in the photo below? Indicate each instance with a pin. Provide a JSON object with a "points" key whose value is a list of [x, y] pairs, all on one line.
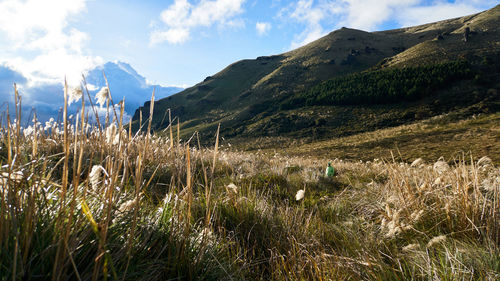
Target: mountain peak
{"points": [[124, 81], [125, 67]]}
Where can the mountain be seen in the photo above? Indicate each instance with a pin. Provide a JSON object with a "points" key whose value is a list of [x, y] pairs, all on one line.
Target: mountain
{"points": [[348, 82], [48, 98], [125, 82]]}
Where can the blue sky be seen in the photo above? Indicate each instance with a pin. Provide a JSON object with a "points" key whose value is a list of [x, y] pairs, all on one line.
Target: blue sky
{"points": [[180, 42]]}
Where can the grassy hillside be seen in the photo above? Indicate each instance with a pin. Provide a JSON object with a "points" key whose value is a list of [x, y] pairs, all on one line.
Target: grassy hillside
{"points": [[286, 94], [374, 100]]}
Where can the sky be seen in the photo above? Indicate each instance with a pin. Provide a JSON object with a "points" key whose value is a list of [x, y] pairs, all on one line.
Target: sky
{"points": [[180, 42]]}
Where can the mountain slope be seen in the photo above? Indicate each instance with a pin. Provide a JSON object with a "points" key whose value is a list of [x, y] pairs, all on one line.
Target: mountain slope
{"points": [[246, 96]]}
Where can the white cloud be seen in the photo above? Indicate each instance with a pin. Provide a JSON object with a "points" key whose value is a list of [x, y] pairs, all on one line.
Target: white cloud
{"points": [[172, 35], [310, 14], [369, 15], [262, 28], [41, 29], [439, 11], [182, 17], [25, 20]]}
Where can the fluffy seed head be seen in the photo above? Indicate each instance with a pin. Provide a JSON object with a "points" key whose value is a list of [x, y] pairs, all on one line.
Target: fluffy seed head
{"points": [[416, 216], [438, 181], [28, 131], [441, 167], [95, 175], [300, 195], [110, 133], [127, 206], [417, 163], [232, 188], [74, 94], [101, 96]]}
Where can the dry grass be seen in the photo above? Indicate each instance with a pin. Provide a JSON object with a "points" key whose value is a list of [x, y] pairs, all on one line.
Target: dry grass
{"points": [[428, 139], [82, 202]]}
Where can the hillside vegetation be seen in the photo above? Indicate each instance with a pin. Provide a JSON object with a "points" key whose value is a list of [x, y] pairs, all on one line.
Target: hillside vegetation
{"points": [[383, 86]]}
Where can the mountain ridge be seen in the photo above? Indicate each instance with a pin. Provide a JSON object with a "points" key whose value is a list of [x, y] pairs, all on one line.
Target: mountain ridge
{"points": [[248, 91]]}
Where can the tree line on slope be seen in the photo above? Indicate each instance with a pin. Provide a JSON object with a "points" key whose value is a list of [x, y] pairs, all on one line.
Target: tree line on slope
{"points": [[382, 86]]}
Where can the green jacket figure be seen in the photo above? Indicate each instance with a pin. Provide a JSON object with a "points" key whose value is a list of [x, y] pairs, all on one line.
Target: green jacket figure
{"points": [[330, 171]]}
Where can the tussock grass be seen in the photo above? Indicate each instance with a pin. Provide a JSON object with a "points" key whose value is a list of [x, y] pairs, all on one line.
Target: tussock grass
{"points": [[96, 202]]}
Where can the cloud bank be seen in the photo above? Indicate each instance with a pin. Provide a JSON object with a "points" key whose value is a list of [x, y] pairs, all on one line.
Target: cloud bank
{"points": [[40, 42]]}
